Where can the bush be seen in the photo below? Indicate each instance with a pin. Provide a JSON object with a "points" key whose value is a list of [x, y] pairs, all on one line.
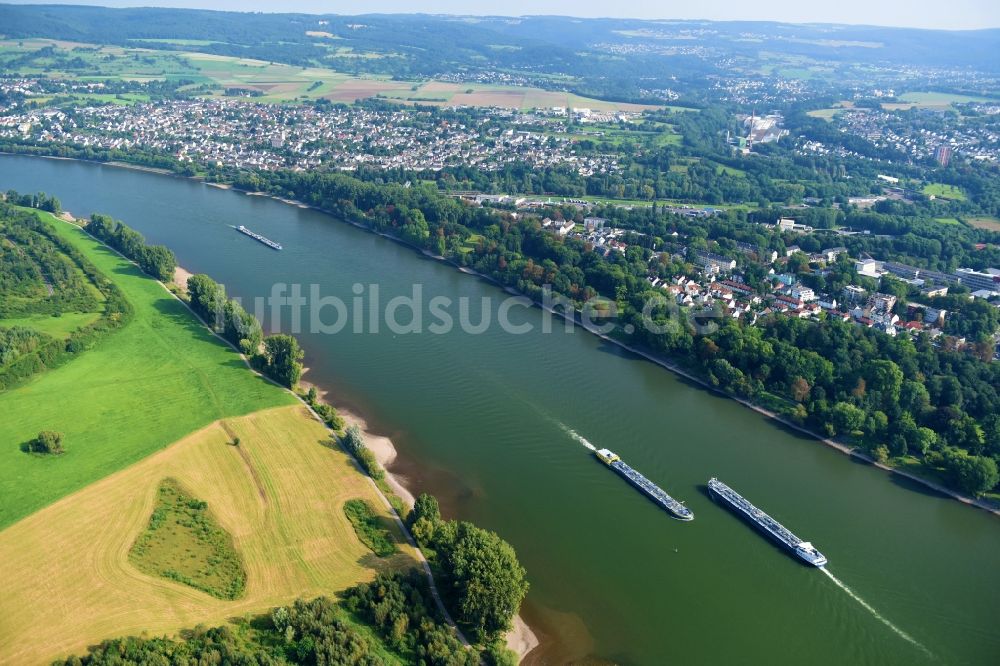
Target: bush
{"points": [[355, 445], [369, 527], [48, 442]]}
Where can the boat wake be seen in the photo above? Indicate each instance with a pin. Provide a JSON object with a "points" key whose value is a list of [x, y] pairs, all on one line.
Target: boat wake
{"points": [[878, 616], [577, 436]]}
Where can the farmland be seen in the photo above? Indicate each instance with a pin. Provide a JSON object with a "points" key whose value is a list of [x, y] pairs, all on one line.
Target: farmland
{"points": [[930, 100], [990, 223], [67, 577], [144, 387], [274, 82]]}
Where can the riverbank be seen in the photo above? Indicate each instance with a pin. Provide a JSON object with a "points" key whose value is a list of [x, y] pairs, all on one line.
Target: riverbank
{"points": [[847, 449], [480, 421], [380, 445], [521, 638], [652, 357]]}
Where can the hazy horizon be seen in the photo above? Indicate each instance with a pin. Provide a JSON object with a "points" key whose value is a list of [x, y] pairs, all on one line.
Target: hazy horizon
{"points": [[925, 14]]}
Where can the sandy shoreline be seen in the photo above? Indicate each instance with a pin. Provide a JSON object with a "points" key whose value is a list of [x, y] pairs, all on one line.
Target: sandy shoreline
{"points": [[181, 276], [521, 639], [380, 445]]}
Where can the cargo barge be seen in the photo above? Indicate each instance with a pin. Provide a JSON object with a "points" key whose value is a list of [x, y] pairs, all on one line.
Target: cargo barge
{"points": [[765, 523], [645, 486], [257, 237]]}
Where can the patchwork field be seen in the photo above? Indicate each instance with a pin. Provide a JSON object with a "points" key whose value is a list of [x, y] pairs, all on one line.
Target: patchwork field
{"points": [[67, 578], [147, 385], [277, 82]]}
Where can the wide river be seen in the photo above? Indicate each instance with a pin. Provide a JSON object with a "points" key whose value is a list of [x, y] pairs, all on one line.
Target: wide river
{"points": [[497, 423]]}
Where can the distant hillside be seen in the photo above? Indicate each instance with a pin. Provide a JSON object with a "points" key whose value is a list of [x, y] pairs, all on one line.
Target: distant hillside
{"points": [[614, 58]]}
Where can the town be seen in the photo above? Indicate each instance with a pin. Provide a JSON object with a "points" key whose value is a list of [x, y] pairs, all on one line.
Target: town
{"points": [[242, 134], [713, 281]]}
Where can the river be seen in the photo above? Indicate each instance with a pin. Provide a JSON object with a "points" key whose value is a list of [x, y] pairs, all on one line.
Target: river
{"points": [[496, 424]]}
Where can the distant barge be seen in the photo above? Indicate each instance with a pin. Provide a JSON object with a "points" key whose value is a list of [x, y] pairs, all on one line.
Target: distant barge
{"points": [[252, 234], [645, 486], [765, 523]]}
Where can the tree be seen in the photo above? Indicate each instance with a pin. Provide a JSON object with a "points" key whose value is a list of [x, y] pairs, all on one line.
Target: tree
{"points": [[847, 418], [208, 298], [426, 506], [884, 380], [914, 398], [482, 576], [282, 359], [800, 389], [973, 474], [498, 654], [48, 442], [158, 261], [925, 440]]}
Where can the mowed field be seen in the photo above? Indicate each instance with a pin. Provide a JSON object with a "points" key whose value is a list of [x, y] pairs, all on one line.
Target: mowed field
{"points": [[67, 581], [158, 379]]}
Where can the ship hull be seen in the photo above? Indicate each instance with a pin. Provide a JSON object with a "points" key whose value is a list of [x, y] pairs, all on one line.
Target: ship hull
{"points": [[652, 498], [805, 558], [260, 239], [652, 491]]}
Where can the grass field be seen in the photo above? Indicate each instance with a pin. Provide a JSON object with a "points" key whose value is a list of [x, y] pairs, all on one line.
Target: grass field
{"points": [[944, 191], [182, 542], [990, 223], [930, 100], [144, 387], [67, 581], [57, 327], [278, 82], [599, 133]]}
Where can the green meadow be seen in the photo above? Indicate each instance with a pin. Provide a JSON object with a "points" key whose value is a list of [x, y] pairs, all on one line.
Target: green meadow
{"points": [[58, 327], [144, 387], [945, 191]]}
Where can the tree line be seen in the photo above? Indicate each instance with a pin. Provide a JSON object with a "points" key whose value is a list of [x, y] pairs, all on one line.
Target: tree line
{"points": [[155, 260], [519, 253], [482, 581], [278, 356], [391, 620], [45, 352]]}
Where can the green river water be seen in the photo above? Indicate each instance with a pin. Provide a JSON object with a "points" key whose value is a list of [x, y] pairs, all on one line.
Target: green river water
{"points": [[496, 424]]}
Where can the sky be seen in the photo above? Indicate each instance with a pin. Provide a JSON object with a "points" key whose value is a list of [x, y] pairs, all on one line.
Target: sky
{"points": [[948, 15]]}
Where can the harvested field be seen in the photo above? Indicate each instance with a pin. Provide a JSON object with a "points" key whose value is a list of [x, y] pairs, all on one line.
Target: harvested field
{"points": [[67, 579]]}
